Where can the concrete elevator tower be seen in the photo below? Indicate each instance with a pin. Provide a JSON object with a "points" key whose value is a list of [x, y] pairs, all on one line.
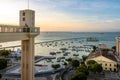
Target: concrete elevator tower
{"points": [[25, 32], [27, 17], [118, 46], [27, 22]]}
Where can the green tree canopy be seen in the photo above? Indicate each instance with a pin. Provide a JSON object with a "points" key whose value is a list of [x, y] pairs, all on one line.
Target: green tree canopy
{"points": [[98, 67], [3, 63], [79, 76], [65, 64], [114, 48], [91, 62], [55, 66], [94, 48], [84, 57], [94, 66], [83, 68], [75, 63], [69, 59], [4, 53]]}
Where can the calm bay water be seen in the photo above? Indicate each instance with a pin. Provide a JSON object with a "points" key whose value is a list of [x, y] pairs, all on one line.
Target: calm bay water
{"points": [[107, 38]]}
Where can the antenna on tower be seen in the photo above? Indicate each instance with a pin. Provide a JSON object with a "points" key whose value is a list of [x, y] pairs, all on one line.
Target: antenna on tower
{"points": [[28, 4]]}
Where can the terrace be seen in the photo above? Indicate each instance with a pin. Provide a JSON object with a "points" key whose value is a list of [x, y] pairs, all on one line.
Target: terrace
{"points": [[17, 29], [15, 33]]}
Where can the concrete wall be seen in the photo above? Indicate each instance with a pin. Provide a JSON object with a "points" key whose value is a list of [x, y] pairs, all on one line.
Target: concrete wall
{"points": [[29, 18]]}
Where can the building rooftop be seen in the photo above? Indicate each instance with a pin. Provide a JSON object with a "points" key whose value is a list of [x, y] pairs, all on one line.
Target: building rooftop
{"points": [[97, 53]]}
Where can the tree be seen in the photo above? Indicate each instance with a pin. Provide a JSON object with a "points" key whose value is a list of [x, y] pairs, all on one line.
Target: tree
{"points": [[65, 64], [94, 66], [69, 59], [55, 66], [91, 62], [98, 68], [79, 76], [3, 63], [75, 63], [4, 53], [94, 48], [84, 57], [83, 68], [114, 48]]}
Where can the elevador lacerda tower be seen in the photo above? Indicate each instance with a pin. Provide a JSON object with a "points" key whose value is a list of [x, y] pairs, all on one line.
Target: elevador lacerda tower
{"points": [[26, 32], [27, 20]]}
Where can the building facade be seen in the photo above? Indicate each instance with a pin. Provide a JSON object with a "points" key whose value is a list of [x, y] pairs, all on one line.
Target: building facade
{"points": [[108, 61], [27, 17]]}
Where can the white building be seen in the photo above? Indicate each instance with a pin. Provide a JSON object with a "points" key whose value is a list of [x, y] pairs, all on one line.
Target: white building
{"points": [[102, 46], [16, 53], [27, 17]]}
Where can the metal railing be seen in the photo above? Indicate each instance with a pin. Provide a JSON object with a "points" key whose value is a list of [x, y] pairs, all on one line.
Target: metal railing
{"points": [[18, 29]]}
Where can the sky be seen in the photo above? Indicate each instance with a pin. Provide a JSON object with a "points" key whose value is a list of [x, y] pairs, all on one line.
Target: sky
{"points": [[66, 15]]}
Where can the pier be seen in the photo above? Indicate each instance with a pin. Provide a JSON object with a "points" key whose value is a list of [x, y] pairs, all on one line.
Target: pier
{"points": [[41, 42]]}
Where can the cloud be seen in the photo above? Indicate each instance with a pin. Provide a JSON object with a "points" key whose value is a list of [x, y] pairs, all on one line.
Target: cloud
{"points": [[116, 20]]}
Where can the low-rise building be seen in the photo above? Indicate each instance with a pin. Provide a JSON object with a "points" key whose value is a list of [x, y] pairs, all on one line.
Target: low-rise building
{"points": [[106, 59], [102, 46]]}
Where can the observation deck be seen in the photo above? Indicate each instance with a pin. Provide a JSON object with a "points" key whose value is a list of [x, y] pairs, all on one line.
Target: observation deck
{"points": [[26, 35], [14, 33]]}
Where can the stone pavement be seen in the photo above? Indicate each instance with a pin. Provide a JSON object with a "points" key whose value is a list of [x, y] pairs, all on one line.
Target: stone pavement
{"points": [[111, 76], [95, 76], [106, 76]]}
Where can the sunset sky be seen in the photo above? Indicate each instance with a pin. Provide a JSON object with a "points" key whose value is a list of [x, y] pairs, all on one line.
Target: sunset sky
{"points": [[66, 15]]}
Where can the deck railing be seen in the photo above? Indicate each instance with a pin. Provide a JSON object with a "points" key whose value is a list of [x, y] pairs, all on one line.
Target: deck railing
{"points": [[18, 29]]}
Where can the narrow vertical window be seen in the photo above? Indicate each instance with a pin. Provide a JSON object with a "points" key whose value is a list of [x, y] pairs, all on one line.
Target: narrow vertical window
{"points": [[23, 13], [23, 19]]}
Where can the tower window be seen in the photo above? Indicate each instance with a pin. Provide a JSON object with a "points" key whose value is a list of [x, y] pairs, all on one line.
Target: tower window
{"points": [[23, 13], [23, 19]]}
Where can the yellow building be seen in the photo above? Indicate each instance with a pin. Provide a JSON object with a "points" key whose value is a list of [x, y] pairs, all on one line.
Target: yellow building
{"points": [[108, 61]]}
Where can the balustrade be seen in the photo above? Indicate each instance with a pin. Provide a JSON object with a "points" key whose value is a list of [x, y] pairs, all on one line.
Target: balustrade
{"points": [[17, 29]]}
